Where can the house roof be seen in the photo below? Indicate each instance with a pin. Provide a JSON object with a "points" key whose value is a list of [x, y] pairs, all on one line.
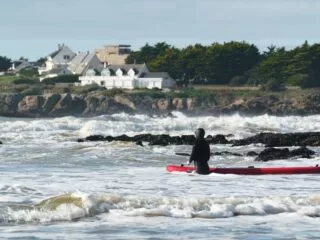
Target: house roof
{"points": [[59, 70], [81, 62], [61, 47], [155, 75], [126, 67], [82, 57], [18, 65]]}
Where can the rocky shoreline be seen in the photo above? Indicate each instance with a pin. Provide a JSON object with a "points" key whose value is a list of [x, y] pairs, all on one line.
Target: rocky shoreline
{"points": [[270, 140], [59, 105]]}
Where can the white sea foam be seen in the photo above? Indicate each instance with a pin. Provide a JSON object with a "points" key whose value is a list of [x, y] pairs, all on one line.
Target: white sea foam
{"points": [[79, 205], [179, 124]]}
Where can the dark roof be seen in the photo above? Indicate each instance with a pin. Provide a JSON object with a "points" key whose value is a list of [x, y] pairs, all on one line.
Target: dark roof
{"points": [[22, 64], [126, 67], [60, 70], [52, 55], [155, 75]]}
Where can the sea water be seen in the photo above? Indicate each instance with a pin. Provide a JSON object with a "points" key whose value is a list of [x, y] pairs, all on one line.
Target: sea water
{"points": [[53, 187]]}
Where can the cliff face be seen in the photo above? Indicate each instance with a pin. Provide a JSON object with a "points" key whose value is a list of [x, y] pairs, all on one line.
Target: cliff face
{"points": [[58, 105]]}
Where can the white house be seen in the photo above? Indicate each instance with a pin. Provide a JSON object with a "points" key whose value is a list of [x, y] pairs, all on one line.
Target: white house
{"points": [[127, 76], [62, 56], [65, 62], [22, 64]]}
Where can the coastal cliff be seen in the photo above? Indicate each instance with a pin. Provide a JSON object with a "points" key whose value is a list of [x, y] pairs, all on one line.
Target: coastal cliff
{"points": [[58, 105]]}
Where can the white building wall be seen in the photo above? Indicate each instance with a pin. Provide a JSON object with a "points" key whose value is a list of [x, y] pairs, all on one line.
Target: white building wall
{"points": [[126, 82], [109, 82], [149, 83]]}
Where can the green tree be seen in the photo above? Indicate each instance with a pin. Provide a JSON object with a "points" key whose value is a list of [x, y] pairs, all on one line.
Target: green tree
{"points": [[303, 66], [147, 53], [271, 67], [5, 63], [192, 63], [168, 62], [225, 61]]}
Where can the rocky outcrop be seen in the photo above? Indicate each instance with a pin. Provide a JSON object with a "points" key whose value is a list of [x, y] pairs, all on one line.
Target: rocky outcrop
{"points": [[9, 104], [270, 104], [267, 154], [281, 139], [284, 153], [161, 139], [31, 106], [56, 105]]}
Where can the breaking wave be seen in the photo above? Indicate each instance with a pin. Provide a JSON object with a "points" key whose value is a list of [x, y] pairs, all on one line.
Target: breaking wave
{"points": [[73, 206]]}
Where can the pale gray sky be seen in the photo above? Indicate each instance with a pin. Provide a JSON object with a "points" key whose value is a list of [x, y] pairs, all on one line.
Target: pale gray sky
{"points": [[33, 28]]}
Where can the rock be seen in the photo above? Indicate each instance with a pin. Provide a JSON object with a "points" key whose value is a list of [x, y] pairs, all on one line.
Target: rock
{"points": [[125, 100], [252, 153], [179, 104], [68, 105], [95, 138], [272, 154], [218, 139], [31, 106], [50, 102], [302, 152], [226, 153], [96, 103], [92, 104], [164, 105], [284, 153], [281, 139], [191, 102], [9, 104], [161, 139]]}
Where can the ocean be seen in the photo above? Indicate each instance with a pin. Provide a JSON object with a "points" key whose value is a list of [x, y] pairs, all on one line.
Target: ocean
{"points": [[53, 187]]}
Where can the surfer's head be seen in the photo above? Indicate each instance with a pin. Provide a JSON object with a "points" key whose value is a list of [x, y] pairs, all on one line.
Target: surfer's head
{"points": [[199, 133]]}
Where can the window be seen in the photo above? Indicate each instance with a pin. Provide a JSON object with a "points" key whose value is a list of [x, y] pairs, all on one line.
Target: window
{"points": [[66, 57]]}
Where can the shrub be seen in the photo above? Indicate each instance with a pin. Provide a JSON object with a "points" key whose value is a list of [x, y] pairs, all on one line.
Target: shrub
{"points": [[297, 79], [310, 81], [238, 80], [25, 81], [86, 89], [273, 85], [61, 79], [33, 90], [114, 91], [29, 72]]}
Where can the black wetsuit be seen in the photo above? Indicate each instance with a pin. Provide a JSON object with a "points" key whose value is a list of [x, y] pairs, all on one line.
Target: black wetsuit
{"points": [[200, 155]]}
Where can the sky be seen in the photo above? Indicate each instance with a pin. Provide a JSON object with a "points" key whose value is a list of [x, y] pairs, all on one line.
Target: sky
{"points": [[34, 28]]}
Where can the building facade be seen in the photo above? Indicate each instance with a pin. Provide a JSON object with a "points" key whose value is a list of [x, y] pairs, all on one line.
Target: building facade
{"points": [[61, 57], [113, 54], [127, 76]]}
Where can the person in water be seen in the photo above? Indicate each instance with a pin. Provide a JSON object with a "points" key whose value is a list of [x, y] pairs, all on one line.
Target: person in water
{"points": [[200, 154]]}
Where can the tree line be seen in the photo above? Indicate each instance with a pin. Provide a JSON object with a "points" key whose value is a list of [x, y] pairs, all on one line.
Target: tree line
{"points": [[234, 63]]}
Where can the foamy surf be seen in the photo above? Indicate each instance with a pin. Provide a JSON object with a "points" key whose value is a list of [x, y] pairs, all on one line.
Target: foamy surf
{"points": [[73, 206]]}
